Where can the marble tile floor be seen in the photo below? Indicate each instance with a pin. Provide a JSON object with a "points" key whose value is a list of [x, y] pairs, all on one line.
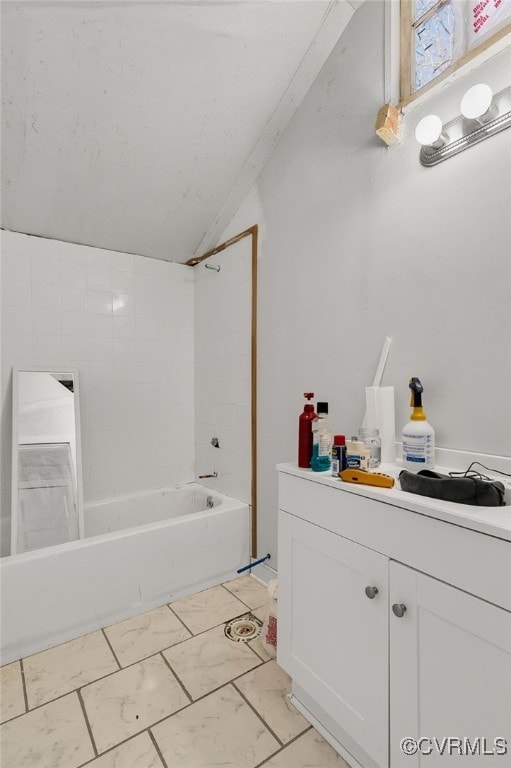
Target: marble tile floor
{"points": [[165, 689]]}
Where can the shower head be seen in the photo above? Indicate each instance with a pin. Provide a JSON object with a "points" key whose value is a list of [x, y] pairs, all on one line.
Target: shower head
{"points": [[212, 266]]}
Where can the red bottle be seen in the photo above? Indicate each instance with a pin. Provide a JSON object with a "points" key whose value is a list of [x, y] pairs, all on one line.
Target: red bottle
{"points": [[305, 433]]}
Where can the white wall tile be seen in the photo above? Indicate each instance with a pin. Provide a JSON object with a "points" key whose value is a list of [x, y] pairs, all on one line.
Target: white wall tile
{"points": [[45, 296], [99, 278], [47, 347], [123, 327], [76, 306], [124, 350], [73, 275], [16, 266], [16, 319], [222, 332], [100, 372], [123, 304], [74, 323], [46, 321], [124, 371], [99, 302], [145, 284], [73, 299], [45, 271], [147, 328], [74, 346], [16, 349], [146, 306], [99, 349], [123, 281], [99, 326], [16, 293]]}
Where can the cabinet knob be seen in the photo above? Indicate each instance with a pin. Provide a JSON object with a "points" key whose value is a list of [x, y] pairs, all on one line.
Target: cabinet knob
{"points": [[371, 592], [399, 609]]}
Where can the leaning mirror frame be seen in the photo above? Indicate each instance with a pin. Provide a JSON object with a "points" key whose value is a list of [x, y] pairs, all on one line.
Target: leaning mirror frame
{"points": [[77, 468]]}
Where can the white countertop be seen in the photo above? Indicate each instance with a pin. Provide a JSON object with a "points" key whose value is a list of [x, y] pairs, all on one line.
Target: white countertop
{"points": [[492, 521]]}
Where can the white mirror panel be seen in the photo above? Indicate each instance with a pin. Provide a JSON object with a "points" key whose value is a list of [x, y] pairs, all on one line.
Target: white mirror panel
{"points": [[47, 506]]}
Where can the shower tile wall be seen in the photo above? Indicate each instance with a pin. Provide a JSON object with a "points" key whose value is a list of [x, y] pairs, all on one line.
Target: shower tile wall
{"points": [[223, 302], [126, 323]]}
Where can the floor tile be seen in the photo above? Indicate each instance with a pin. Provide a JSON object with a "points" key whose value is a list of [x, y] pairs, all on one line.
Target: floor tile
{"points": [[62, 669], [12, 701], [210, 660], [144, 635], [221, 729], [207, 609], [266, 688], [308, 751], [129, 700], [249, 591], [138, 752], [52, 736]]}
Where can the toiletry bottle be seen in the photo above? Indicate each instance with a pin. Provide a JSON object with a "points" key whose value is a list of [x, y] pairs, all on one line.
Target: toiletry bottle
{"points": [[357, 454], [371, 440], [338, 455], [321, 440], [305, 433], [418, 435]]}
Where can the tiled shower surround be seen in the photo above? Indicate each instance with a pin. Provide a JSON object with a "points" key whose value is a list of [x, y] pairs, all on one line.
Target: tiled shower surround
{"points": [[223, 304], [127, 324], [166, 689]]}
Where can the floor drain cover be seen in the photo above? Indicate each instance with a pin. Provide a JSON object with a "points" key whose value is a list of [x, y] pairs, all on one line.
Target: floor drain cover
{"points": [[243, 628]]}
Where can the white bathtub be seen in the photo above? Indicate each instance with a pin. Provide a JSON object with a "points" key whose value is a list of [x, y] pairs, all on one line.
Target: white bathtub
{"points": [[139, 553]]}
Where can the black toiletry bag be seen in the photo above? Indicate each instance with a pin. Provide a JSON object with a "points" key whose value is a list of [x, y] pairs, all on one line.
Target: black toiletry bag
{"points": [[463, 490]]}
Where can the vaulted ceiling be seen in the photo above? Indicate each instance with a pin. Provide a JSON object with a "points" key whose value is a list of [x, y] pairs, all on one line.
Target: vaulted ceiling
{"points": [[141, 126]]}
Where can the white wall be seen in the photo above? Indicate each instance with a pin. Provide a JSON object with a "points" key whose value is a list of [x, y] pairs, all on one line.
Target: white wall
{"points": [[362, 241], [126, 323], [223, 303]]}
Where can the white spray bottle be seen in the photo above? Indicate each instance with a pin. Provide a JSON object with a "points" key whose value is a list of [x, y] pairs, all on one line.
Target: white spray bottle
{"points": [[418, 435]]}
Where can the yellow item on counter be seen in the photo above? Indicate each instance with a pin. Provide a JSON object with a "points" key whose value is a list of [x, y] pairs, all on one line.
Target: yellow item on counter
{"points": [[367, 478]]}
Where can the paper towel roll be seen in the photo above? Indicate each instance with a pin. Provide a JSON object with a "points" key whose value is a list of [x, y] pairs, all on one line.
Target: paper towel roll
{"points": [[380, 415]]}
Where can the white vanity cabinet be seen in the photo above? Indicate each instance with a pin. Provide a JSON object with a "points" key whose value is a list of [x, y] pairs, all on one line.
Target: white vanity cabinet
{"points": [[393, 623], [333, 639], [450, 667]]}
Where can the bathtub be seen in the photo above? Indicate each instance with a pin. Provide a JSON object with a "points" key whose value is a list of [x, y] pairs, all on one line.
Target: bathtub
{"points": [[138, 554]]}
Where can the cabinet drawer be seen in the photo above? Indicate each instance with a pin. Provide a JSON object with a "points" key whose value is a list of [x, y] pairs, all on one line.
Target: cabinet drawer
{"points": [[472, 561]]}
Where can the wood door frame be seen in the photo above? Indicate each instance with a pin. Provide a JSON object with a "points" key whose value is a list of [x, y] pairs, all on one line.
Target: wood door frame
{"points": [[251, 232]]}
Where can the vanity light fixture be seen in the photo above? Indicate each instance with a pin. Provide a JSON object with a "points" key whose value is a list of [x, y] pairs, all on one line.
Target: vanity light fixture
{"points": [[482, 116]]}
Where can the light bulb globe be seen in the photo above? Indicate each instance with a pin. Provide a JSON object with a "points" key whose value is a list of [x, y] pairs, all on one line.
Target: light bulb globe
{"points": [[428, 130], [476, 101]]}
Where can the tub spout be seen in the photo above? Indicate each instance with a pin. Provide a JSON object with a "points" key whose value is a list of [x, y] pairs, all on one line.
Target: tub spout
{"points": [[201, 477]]}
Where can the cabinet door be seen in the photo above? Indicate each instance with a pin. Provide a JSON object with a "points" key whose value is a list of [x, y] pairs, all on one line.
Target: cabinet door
{"points": [[450, 662], [332, 638]]}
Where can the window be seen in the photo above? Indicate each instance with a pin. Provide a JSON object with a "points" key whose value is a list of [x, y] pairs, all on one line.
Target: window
{"points": [[439, 36]]}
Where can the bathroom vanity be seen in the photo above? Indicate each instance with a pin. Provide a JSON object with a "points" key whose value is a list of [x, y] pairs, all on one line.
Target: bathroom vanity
{"points": [[394, 618]]}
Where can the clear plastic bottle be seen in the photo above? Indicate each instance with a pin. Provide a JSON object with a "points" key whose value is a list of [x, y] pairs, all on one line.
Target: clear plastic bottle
{"points": [[371, 440], [321, 440], [357, 454]]}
